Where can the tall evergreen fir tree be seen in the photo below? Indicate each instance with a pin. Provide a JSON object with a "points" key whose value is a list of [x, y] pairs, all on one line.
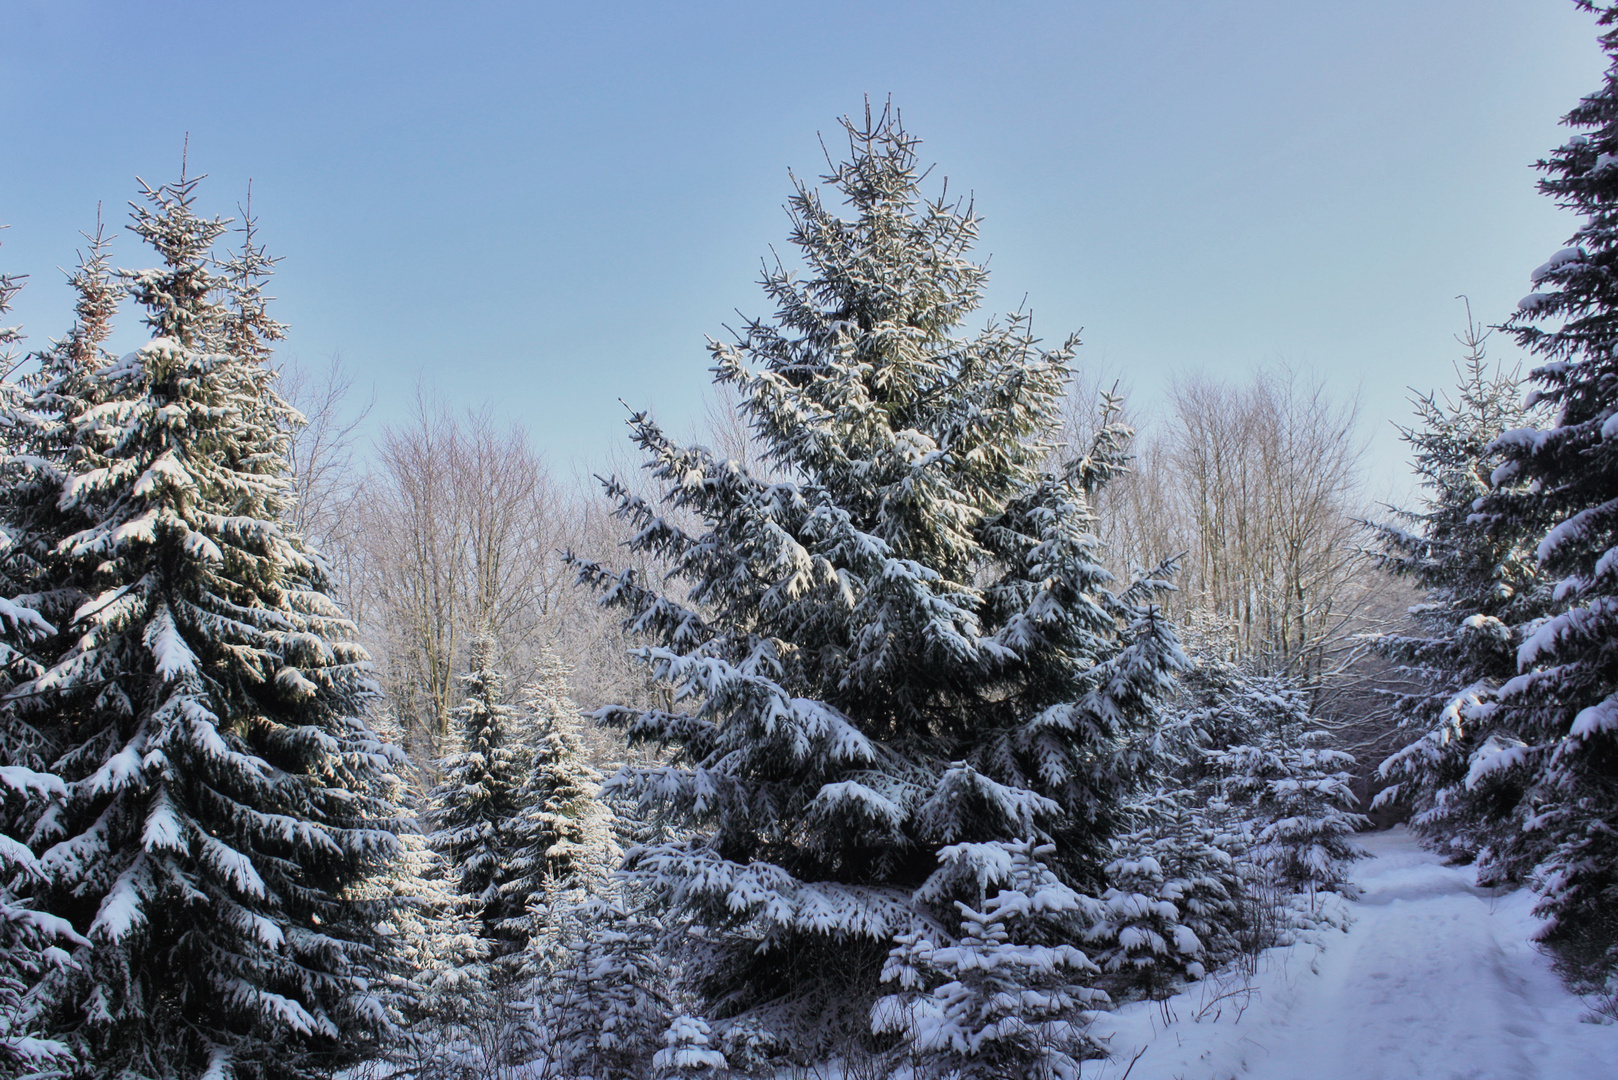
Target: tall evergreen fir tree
{"points": [[906, 642], [1483, 590], [200, 699], [49, 399], [475, 802], [30, 939], [1564, 703]]}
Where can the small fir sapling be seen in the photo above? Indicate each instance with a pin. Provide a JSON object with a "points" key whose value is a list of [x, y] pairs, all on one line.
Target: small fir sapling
{"points": [[440, 985], [687, 1052], [443, 987], [474, 804], [1292, 791], [560, 838], [1011, 995], [1171, 909], [603, 1015]]}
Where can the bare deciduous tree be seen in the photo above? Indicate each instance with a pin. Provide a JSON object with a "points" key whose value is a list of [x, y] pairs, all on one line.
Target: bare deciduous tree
{"points": [[323, 466], [1258, 486], [458, 526]]}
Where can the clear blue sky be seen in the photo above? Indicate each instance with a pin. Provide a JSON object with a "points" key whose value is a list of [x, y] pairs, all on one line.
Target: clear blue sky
{"points": [[548, 206]]}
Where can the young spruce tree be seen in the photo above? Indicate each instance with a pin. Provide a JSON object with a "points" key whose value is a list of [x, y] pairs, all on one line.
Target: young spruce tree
{"points": [[475, 802], [906, 642], [1483, 591], [200, 699], [560, 836]]}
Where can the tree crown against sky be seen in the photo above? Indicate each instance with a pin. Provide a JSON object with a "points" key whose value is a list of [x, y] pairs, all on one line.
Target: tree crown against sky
{"points": [[905, 641], [197, 695]]}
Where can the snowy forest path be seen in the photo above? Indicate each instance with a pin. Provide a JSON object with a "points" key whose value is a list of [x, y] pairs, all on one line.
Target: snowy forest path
{"points": [[1436, 979]]}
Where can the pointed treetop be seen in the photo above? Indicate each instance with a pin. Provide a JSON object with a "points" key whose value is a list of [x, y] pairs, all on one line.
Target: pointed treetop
{"points": [[99, 294], [176, 295], [250, 332]]}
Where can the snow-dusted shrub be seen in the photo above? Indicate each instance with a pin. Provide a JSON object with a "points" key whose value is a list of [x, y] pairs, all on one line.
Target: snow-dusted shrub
{"points": [[686, 1052], [445, 1004], [1290, 791], [751, 1047], [603, 1015], [1011, 995], [1172, 907]]}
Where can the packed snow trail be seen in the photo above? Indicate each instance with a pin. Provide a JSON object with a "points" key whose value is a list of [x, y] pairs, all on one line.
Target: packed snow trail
{"points": [[1436, 979]]}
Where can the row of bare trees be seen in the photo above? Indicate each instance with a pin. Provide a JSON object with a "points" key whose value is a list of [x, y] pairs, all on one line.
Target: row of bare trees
{"points": [[445, 528], [449, 526], [1259, 487]]}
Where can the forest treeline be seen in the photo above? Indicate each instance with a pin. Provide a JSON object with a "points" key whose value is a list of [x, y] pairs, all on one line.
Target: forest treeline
{"points": [[922, 704]]}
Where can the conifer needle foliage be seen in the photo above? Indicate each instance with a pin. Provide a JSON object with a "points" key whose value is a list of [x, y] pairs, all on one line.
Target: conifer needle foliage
{"points": [[1563, 703], [198, 694], [905, 642]]}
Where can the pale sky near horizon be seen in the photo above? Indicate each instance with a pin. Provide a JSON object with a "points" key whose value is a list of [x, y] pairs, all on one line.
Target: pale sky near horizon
{"points": [[547, 207]]}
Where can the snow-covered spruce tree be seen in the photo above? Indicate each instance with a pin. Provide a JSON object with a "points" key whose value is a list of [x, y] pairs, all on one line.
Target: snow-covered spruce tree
{"points": [[1564, 703], [1008, 998], [440, 988], [29, 518], [1482, 589], [475, 801], [30, 940], [1292, 790], [444, 1005], [561, 834], [907, 643], [603, 1014], [1171, 910], [201, 702]]}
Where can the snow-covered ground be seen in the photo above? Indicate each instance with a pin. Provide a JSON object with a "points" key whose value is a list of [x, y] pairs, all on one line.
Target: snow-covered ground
{"points": [[1436, 979]]}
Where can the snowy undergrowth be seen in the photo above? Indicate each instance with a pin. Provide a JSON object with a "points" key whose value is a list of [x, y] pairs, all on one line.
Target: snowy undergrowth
{"points": [[1435, 977]]}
